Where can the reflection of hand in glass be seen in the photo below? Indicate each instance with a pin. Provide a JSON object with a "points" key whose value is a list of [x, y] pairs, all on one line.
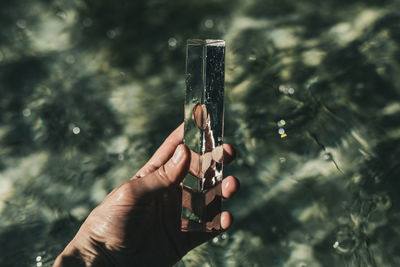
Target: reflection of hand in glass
{"points": [[211, 154], [138, 223], [201, 117]]}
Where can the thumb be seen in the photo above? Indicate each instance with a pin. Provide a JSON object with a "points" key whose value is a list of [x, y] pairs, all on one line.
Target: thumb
{"points": [[171, 173]]}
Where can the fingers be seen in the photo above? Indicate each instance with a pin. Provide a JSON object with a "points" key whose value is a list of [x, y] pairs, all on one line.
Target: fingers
{"points": [[226, 220], [196, 165], [230, 185], [171, 173], [163, 153], [229, 154], [196, 238]]}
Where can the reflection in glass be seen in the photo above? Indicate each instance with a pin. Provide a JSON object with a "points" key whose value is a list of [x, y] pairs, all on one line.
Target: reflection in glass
{"points": [[201, 199]]}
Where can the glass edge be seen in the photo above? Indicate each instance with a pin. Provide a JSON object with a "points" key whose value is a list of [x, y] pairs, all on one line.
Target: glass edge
{"points": [[207, 42], [214, 42]]}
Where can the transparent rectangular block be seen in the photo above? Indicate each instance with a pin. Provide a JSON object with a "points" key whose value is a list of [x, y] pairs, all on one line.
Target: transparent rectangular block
{"points": [[204, 129]]}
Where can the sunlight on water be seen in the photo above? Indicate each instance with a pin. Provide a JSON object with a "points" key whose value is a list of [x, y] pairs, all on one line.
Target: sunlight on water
{"points": [[89, 90], [172, 43]]}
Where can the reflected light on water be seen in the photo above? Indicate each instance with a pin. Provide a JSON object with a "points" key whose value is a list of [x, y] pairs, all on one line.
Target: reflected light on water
{"points": [[286, 90], [221, 240], [295, 65], [327, 156], [281, 131], [346, 241], [76, 130], [21, 24], [252, 58], [113, 33], [26, 112], [209, 23], [172, 42], [281, 123], [39, 261], [336, 244]]}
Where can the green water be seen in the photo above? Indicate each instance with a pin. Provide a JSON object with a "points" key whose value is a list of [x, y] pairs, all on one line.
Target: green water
{"points": [[89, 89]]}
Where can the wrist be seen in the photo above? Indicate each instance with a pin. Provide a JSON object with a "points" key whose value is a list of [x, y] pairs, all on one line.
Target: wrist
{"points": [[80, 252], [71, 256]]}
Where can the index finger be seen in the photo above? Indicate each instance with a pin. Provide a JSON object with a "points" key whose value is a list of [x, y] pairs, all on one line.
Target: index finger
{"points": [[163, 153]]}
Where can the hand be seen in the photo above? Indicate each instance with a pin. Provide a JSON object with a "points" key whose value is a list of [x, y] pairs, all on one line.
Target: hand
{"points": [[138, 223]]}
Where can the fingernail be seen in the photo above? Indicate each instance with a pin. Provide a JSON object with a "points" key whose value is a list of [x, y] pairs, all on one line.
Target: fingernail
{"points": [[227, 184], [223, 219], [178, 155]]}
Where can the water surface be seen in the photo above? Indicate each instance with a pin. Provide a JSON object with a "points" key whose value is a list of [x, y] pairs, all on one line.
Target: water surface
{"points": [[89, 89]]}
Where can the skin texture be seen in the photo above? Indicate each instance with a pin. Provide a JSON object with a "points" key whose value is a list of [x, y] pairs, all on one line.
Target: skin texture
{"points": [[138, 223]]}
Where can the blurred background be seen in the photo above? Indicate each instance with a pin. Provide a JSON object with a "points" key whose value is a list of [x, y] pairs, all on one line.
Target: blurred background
{"points": [[90, 88]]}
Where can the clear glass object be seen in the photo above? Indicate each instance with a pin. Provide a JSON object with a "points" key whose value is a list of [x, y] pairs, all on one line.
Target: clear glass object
{"points": [[204, 128]]}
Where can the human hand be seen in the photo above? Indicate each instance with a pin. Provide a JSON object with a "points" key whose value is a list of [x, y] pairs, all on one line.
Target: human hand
{"points": [[138, 223]]}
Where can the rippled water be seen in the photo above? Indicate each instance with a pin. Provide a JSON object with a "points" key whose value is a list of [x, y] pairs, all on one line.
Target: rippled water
{"points": [[89, 89]]}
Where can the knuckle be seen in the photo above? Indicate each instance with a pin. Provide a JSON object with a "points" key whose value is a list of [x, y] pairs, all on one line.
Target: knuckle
{"points": [[125, 191], [152, 166], [162, 175]]}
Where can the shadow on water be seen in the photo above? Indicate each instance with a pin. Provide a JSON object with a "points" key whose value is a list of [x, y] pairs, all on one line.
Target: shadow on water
{"points": [[13, 100], [148, 36], [44, 241]]}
